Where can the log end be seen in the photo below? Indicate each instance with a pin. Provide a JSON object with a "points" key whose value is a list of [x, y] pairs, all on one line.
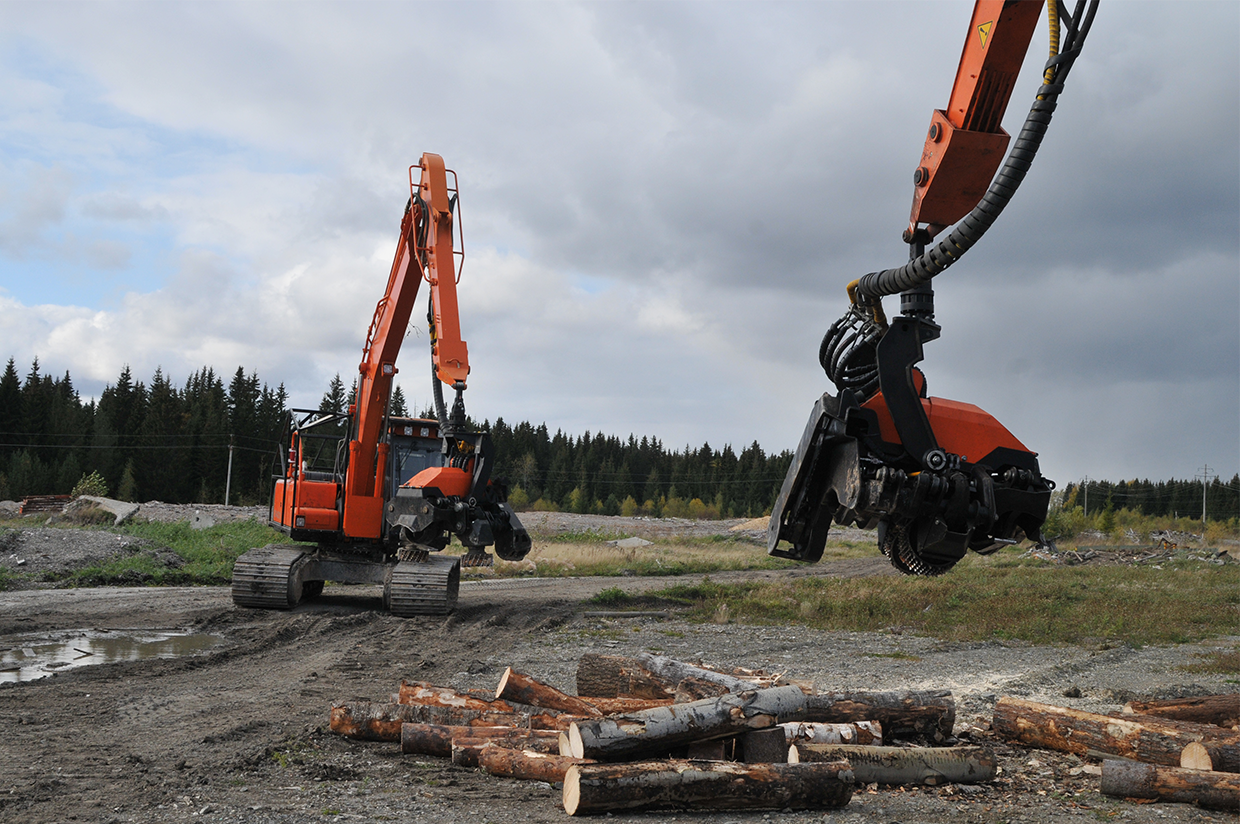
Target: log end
{"points": [[1195, 756], [576, 747], [503, 681], [572, 790]]}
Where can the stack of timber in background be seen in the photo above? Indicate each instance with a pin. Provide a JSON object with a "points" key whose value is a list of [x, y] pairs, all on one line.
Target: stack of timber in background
{"points": [[1183, 750], [650, 732]]}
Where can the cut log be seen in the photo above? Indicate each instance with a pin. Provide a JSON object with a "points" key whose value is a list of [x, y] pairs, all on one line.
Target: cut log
{"points": [[1220, 710], [904, 765], [614, 676], [1137, 737], [658, 731], [672, 671], [706, 785], [1219, 757], [515, 686], [926, 714], [420, 692], [381, 722], [620, 706], [464, 751], [866, 733], [768, 746], [602, 676], [695, 689], [531, 766], [1213, 790], [436, 739]]}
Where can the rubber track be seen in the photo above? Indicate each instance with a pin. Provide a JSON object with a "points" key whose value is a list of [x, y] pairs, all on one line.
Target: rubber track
{"points": [[261, 577], [427, 587]]}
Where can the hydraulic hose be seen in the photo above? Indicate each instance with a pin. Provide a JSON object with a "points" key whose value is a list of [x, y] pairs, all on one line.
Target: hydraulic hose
{"points": [[921, 269]]}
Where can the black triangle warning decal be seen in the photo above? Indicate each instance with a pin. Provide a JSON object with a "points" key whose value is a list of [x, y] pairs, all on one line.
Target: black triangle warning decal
{"points": [[983, 31]]}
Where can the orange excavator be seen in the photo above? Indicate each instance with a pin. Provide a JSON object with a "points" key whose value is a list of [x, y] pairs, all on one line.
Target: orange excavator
{"points": [[380, 495], [935, 477]]}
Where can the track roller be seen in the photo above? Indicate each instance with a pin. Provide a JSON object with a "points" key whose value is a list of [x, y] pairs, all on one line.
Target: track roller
{"points": [[423, 587], [269, 577]]}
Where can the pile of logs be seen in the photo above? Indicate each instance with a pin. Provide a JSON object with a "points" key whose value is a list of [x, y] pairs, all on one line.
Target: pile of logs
{"points": [[43, 503], [651, 732], [1184, 750]]}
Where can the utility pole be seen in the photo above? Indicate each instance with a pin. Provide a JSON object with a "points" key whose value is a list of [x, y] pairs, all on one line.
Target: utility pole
{"points": [[1085, 484], [1205, 480], [228, 482]]}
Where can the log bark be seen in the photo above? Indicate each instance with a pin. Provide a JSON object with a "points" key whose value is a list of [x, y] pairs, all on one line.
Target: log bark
{"points": [[904, 765], [531, 766], [428, 695], [925, 714], [1221, 710], [1139, 738], [381, 722], [465, 750], [658, 731], [705, 785], [515, 686], [437, 739], [695, 689], [672, 671], [768, 746], [866, 733], [616, 676], [1218, 757], [1213, 790]]}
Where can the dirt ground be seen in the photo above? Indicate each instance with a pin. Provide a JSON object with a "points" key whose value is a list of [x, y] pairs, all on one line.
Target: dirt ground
{"points": [[238, 732]]}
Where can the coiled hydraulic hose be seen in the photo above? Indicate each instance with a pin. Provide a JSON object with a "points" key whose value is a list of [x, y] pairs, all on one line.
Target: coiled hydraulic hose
{"points": [[969, 231]]}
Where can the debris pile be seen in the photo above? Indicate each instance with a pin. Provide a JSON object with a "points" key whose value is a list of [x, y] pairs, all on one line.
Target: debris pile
{"points": [[1183, 750], [652, 732]]}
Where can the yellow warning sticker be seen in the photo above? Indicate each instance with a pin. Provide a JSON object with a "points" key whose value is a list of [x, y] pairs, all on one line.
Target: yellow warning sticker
{"points": [[983, 31]]}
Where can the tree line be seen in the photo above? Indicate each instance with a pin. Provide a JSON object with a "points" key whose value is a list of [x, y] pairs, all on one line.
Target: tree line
{"points": [[173, 442], [1171, 499]]}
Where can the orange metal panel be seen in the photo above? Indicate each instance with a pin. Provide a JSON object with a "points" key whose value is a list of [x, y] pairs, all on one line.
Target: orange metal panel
{"points": [[960, 428], [314, 518], [363, 517], [447, 479]]}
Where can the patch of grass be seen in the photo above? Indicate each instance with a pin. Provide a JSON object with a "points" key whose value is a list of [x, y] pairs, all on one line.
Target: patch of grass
{"points": [[981, 600], [611, 597], [1219, 662]]}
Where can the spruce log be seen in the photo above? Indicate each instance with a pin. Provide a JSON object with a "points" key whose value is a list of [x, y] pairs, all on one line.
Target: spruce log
{"points": [[1213, 790], [695, 689], [768, 746], [658, 731], [531, 766], [620, 706], [1137, 737], [516, 686], [903, 765], [436, 739], [866, 733], [381, 722], [465, 749], [928, 714], [615, 676], [1221, 710], [1218, 757], [706, 785], [428, 695]]}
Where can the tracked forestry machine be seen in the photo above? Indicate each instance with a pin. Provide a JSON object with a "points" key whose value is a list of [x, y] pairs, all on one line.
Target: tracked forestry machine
{"points": [[936, 477], [381, 496]]}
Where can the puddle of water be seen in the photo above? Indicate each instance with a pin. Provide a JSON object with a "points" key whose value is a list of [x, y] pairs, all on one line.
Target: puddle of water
{"points": [[31, 657]]}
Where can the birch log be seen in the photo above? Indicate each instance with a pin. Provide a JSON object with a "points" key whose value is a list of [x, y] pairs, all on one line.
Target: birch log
{"points": [[1213, 790], [706, 785], [904, 765], [867, 733], [657, 731], [1136, 737]]}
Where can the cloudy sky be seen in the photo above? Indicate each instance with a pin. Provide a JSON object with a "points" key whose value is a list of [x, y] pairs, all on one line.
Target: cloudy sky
{"points": [[662, 203]]}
